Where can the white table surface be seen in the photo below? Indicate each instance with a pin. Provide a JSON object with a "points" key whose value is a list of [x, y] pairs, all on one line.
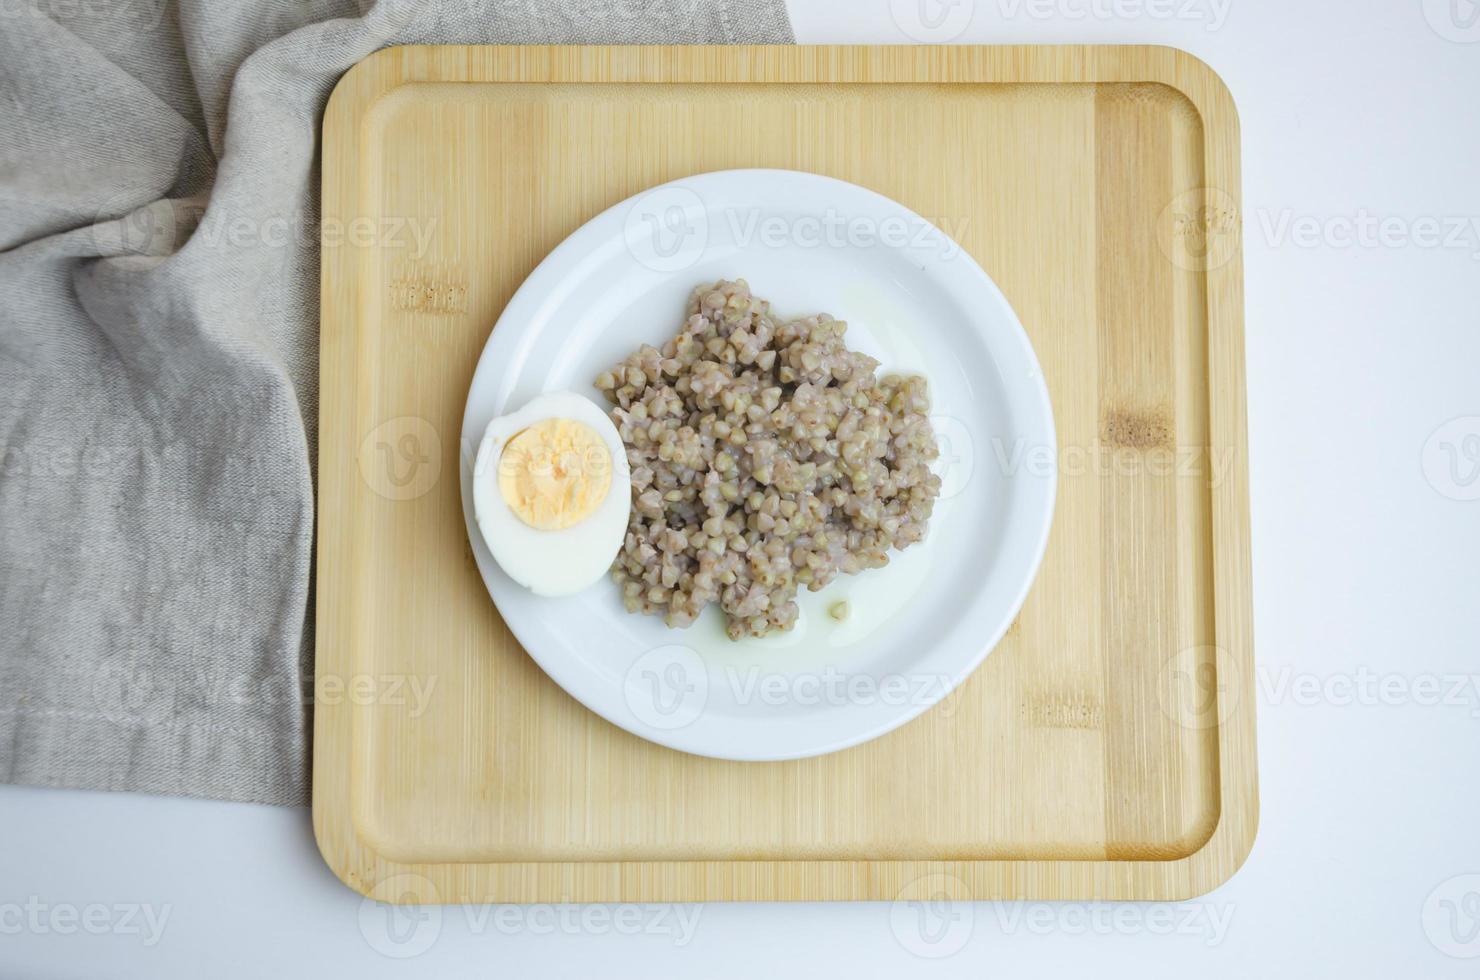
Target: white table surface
{"points": [[1361, 158]]}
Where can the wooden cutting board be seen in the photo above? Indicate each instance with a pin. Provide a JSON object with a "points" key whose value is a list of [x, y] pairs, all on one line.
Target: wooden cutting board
{"points": [[1105, 750]]}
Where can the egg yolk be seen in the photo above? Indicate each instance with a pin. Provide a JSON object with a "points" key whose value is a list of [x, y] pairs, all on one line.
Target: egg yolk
{"points": [[554, 474]]}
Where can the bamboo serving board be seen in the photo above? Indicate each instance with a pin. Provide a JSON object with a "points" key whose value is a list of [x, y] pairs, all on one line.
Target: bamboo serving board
{"points": [[1105, 750]]}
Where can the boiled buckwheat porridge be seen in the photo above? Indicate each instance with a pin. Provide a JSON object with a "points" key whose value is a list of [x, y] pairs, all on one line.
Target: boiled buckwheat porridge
{"points": [[765, 456]]}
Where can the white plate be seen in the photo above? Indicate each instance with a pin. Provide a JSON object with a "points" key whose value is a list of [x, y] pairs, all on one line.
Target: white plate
{"points": [[911, 298]]}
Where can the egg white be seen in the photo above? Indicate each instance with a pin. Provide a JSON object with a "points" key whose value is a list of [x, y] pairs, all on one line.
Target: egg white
{"points": [[552, 563]]}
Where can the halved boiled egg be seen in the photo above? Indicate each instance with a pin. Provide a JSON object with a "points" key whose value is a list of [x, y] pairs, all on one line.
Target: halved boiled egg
{"points": [[552, 493]]}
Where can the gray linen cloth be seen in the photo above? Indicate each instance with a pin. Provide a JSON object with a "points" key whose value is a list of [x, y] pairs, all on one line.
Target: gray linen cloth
{"points": [[159, 271]]}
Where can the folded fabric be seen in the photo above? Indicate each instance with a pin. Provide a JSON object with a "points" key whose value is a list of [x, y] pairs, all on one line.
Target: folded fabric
{"points": [[159, 275]]}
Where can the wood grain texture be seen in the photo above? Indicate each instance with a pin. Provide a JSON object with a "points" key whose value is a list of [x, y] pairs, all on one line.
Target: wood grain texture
{"points": [[1106, 748]]}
